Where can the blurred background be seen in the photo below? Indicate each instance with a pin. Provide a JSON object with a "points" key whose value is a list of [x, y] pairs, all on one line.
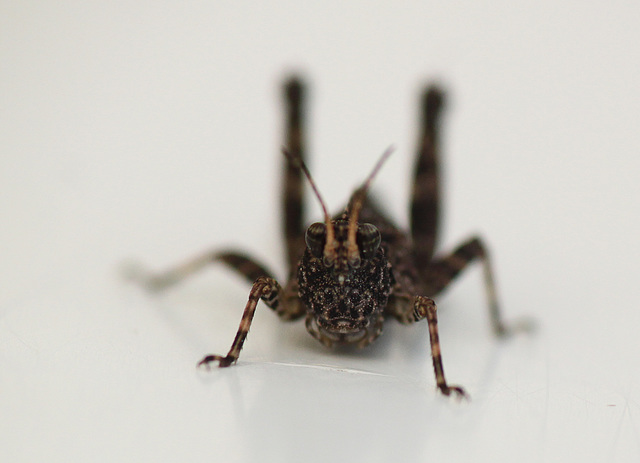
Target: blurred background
{"points": [[150, 132]]}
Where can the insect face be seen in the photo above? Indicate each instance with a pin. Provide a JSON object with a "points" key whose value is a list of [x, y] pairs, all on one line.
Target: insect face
{"points": [[343, 291]]}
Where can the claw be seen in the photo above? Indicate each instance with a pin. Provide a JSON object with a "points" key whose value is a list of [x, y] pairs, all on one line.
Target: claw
{"points": [[457, 390], [222, 361]]}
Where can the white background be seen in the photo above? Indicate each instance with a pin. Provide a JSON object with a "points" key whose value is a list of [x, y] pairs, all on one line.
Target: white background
{"points": [[151, 131]]}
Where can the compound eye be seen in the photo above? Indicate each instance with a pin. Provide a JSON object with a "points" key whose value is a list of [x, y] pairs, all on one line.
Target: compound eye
{"points": [[368, 239], [316, 237]]}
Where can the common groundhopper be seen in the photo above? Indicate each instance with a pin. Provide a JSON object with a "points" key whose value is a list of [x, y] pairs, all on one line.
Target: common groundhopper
{"points": [[351, 271]]}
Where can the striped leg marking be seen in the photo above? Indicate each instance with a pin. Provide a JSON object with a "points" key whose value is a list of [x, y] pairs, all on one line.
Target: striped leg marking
{"points": [[264, 288], [293, 188], [425, 193], [424, 307]]}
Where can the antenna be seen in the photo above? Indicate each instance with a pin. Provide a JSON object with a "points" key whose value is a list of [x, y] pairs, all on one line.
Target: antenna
{"points": [[297, 161], [356, 203]]}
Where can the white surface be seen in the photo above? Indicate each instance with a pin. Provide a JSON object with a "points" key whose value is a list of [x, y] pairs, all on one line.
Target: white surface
{"points": [[150, 130]]}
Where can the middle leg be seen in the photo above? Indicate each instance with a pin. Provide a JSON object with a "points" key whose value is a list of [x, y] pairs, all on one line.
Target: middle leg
{"points": [[287, 306], [442, 271]]}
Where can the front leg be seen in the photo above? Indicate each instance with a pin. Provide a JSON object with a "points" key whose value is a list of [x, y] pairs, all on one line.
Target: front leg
{"points": [[271, 293], [284, 302], [424, 307], [408, 308]]}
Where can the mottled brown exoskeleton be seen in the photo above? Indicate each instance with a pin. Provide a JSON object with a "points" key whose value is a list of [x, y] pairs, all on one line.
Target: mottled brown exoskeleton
{"points": [[348, 273]]}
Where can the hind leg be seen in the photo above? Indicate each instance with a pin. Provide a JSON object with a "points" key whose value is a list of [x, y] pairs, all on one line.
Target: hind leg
{"points": [[292, 187], [425, 193]]}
